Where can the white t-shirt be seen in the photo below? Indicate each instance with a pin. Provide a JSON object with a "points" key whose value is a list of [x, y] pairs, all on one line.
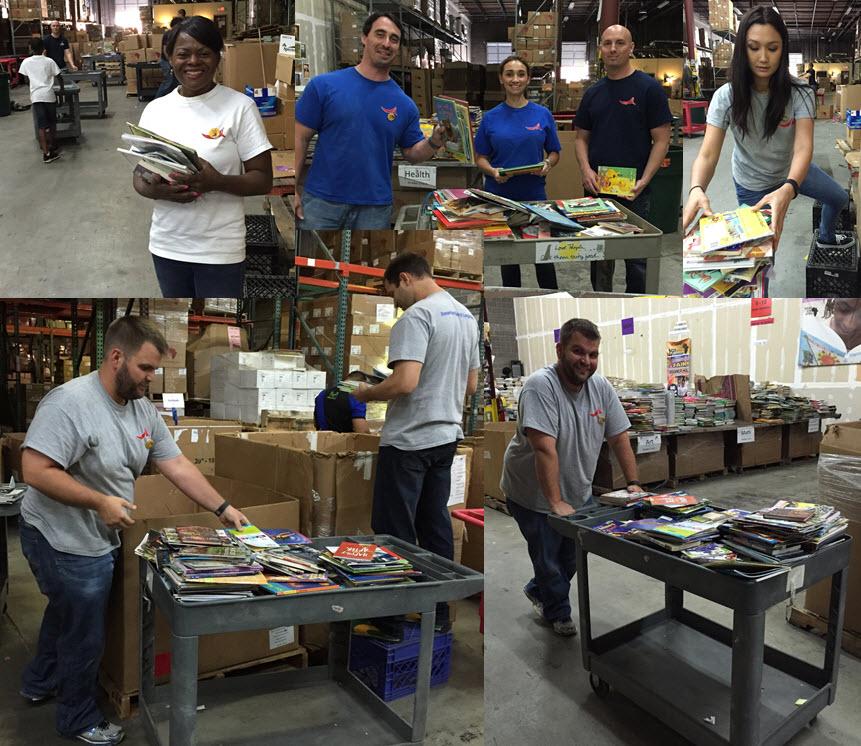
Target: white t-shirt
{"points": [[41, 72], [225, 128]]}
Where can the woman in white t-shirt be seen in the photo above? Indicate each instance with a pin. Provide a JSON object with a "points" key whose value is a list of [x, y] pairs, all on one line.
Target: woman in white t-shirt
{"points": [[197, 236], [771, 115]]}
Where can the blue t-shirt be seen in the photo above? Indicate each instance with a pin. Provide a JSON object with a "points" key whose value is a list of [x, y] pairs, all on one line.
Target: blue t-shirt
{"points": [[359, 122], [335, 410], [510, 137], [620, 115]]}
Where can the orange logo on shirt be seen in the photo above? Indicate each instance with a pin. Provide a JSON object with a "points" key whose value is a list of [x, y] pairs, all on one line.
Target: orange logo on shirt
{"points": [[214, 133], [534, 127], [788, 123], [391, 114], [144, 436]]}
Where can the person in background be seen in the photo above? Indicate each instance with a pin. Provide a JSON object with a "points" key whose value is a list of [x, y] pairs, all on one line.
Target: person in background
{"points": [[811, 78], [197, 234], [170, 82], [564, 413], [623, 120], [40, 70], [58, 47], [518, 132], [89, 440], [340, 411]]}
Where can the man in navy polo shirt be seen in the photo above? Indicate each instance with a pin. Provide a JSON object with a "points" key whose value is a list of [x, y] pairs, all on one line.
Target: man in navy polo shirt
{"points": [[359, 115], [623, 120]]}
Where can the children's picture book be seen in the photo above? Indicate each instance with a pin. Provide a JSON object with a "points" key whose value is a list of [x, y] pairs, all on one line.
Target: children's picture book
{"points": [[453, 114], [617, 180], [253, 537], [820, 344], [726, 229]]}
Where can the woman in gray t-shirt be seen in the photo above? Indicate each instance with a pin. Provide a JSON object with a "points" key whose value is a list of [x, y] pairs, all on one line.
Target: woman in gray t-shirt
{"points": [[771, 115]]}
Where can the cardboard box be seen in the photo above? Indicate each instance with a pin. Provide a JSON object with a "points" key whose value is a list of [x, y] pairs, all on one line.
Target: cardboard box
{"points": [[692, 454], [767, 448], [496, 438], [130, 43], [249, 63], [565, 180], [160, 504], [853, 137], [332, 474], [651, 467], [797, 442], [475, 494], [216, 339], [195, 437]]}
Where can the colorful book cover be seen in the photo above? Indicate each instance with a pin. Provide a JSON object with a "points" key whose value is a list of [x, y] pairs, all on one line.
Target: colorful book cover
{"points": [[253, 537], [617, 180], [453, 114], [726, 229], [353, 551]]}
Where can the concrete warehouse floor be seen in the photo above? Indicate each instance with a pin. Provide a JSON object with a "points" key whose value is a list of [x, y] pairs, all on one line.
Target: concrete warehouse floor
{"points": [[537, 690], [788, 275], [77, 227], [455, 715]]}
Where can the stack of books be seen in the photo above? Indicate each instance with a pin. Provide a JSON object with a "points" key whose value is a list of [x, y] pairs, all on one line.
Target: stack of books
{"points": [[590, 210], [623, 497], [368, 564], [677, 504], [10, 493], [704, 411], [728, 255], [776, 404]]}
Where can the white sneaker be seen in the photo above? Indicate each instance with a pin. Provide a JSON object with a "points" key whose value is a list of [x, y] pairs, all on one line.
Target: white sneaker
{"points": [[104, 734], [565, 627]]}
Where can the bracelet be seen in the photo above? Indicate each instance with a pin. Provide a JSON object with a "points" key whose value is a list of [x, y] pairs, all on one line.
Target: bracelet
{"points": [[221, 508], [695, 186], [431, 143], [794, 184]]}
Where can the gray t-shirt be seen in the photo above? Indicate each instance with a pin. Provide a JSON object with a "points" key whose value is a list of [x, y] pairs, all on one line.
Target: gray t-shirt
{"points": [[580, 422], [441, 334], [757, 162], [101, 444]]}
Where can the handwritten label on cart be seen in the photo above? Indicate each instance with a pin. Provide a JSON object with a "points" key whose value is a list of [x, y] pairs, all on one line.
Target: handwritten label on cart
{"points": [[568, 251], [417, 177], [744, 435], [813, 425], [649, 443]]}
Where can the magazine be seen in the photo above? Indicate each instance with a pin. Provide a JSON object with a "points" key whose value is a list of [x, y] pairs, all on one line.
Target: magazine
{"points": [[158, 154], [453, 114]]}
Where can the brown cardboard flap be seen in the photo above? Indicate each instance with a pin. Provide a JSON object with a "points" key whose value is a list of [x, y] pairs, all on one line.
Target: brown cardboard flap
{"points": [[731, 386]]}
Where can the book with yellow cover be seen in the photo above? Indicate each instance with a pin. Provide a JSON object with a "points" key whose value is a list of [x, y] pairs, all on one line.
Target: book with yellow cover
{"points": [[725, 229], [617, 180]]}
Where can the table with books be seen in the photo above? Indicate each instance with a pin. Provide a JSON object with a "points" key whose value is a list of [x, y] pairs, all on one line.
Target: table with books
{"points": [[207, 581], [713, 684], [10, 506]]}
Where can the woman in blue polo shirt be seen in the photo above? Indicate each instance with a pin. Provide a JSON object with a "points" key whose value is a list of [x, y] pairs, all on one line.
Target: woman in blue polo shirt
{"points": [[517, 132]]}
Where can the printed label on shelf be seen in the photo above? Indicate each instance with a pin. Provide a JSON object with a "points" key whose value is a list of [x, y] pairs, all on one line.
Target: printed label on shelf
{"points": [[234, 337], [569, 251], [813, 425], [417, 177], [649, 443], [173, 401], [744, 434], [281, 636]]}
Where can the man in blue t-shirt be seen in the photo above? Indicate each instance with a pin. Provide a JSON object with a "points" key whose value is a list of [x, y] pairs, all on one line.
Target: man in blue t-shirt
{"points": [[359, 115], [623, 120], [339, 410]]}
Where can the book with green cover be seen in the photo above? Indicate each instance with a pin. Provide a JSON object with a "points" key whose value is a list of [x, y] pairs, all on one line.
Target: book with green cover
{"points": [[453, 114], [532, 168]]}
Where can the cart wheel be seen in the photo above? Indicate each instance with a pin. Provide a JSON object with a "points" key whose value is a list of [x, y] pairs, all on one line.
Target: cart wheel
{"points": [[600, 687], [813, 721]]}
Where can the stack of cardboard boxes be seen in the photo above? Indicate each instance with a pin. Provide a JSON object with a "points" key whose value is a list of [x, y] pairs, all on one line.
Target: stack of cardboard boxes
{"points": [[493, 91], [722, 54], [350, 38], [536, 40], [464, 81], [245, 384], [138, 48], [25, 8], [215, 339], [422, 91], [53, 9], [721, 17], [449, 253]]}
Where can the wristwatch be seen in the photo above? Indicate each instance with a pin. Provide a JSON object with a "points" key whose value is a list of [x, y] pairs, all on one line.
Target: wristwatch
{"points": [[221, 508], [433, 145], [634, 483]]}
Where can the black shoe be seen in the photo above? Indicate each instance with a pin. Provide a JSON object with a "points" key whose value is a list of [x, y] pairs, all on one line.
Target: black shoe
{"points": [[50, 158], [841, 241]]}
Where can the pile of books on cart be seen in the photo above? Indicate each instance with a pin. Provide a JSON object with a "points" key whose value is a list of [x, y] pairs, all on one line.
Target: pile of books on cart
{"points": [[741, 542], [729, 254], [777, 405], [204, 564]]}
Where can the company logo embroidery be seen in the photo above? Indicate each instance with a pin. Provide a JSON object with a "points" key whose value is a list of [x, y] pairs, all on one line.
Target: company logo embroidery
{"points": [[630, 102], [534, 127], [391, 114], [598, 414], [214, 133], [144, 436], [788, 123]]}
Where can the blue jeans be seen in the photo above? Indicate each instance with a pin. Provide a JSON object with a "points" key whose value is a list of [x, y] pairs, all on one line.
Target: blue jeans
{"points": [[411, 493], [818, 185], [601, 272], [320, 214], [72, 635], [554, 561], [193, 280]]}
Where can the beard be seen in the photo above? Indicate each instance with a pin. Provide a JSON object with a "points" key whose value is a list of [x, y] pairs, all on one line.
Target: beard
{"points": [[574, 375], [126, 386]]}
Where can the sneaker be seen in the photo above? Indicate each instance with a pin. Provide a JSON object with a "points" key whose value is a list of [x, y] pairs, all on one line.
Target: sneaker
{"points": [[103, 733], [50, 158], [35, 699], [841, 240], [565, 627], [442, 627], [537, 606]]}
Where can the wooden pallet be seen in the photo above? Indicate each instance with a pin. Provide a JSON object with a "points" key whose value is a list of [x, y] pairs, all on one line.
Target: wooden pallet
{"points": [[456, 274], [496, 504], [125, 703], [804, 619]]}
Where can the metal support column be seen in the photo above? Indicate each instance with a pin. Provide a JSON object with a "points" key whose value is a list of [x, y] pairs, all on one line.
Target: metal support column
{"points": [[341, 336], [100, 326], [76, 359], [690, 32], [609, 14], [19, 411], [276, 325]]}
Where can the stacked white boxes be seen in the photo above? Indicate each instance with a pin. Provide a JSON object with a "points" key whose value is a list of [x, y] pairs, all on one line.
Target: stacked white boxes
{"points": [[244, 384]]}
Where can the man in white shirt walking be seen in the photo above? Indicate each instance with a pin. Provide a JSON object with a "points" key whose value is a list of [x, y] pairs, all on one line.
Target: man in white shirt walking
{"points": [[41, 70]]}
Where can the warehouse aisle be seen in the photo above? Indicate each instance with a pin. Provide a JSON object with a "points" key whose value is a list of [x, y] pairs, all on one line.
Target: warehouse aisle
{"points": [[537, 689], [455, 714], [788, 279]]}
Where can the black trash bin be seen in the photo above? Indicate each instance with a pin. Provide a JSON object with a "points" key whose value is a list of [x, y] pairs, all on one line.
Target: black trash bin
{"points": [[5, 95]]}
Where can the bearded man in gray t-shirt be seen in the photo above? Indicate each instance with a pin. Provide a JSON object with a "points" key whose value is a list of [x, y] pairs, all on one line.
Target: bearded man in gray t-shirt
{"points": [[89, 440], [565, 412]]}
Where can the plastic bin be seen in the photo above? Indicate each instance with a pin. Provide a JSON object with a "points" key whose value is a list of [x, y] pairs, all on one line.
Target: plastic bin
{"points": [[267, 104], [832, 273], [390, 669], [666, 192]]}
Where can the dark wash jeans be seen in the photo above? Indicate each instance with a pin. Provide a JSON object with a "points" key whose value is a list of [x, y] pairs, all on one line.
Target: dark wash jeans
{"points": [[601, 272], [72, 636], [411, 500], [554, 561]]}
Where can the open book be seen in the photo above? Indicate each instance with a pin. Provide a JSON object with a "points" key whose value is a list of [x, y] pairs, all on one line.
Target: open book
{"points": [[158, 154], [821, 345]]}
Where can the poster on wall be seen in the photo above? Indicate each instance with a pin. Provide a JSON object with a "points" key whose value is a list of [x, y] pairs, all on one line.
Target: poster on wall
{"points": [[830, 332], [679, 366]]}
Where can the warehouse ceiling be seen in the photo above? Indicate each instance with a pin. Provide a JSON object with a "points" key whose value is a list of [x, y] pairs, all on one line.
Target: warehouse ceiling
{"points": [[576, 11], [831, 19]]}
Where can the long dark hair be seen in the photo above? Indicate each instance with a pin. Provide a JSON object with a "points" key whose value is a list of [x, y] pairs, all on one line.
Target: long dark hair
{"points": [[741, 77]]}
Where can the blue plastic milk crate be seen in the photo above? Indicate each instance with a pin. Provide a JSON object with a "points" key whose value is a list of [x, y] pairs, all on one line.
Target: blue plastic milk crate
{"points": [[267, 104], [390, 669]]}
